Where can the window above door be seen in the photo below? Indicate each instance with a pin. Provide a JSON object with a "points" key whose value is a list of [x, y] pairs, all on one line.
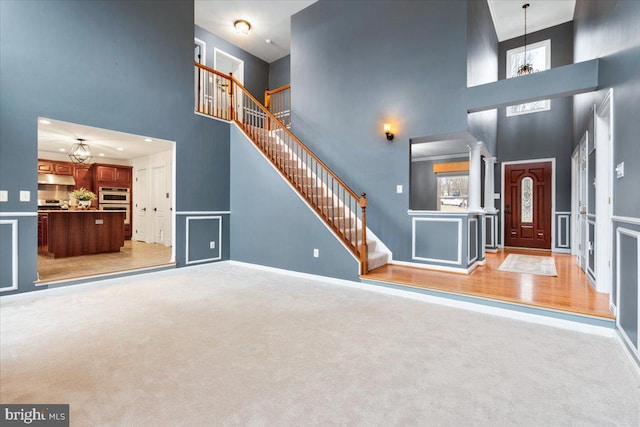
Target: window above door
{"points": [[539, 56]]}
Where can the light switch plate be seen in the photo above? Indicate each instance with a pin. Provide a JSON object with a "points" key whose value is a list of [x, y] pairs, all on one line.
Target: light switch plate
{"points": [[4, 196], [620, 170], [496, 196], [316, 253], [25, 196], [212, 244], [399, 189]]}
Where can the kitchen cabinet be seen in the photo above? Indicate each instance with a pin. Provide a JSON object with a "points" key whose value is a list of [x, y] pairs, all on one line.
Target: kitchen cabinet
{"points": [[45, 166], [83, 177], [82, 232], [43, 229], [55, 167], [105, 175], [112, 175], [63, 168]]}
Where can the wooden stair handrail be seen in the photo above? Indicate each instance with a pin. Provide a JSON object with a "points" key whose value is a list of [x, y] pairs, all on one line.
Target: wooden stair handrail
{"points": [[295, 138], [328, 178], [276, 90]]}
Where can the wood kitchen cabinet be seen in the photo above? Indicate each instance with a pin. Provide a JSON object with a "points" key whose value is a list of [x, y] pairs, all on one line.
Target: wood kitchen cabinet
{"points": [[63, 168], [83, 177], [112, 175], [43, 229], [55, 167], [45, 166]]}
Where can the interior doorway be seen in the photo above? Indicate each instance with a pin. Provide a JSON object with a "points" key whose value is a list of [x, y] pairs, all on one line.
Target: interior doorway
{"points": [[528, 204], [69, 249], [592, 198], [226, 64]]}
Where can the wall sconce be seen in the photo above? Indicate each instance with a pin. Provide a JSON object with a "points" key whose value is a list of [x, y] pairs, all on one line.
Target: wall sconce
{"points": [[242, 26], [387, 131]]}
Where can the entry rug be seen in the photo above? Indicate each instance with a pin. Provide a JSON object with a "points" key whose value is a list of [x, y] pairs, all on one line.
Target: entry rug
{"points": [[529, 264]]}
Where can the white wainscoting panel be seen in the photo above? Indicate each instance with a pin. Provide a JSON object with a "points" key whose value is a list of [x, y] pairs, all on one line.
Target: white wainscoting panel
{"points": [[14, 255], [459, 239], [188, 219], [621, 231]]}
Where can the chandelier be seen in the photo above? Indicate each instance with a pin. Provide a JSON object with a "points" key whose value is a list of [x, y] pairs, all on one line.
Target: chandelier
{"points": [[526, 67], [80, 152]]}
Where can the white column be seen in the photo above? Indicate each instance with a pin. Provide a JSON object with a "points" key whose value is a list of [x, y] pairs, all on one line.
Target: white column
{"points": [[474, 177], [489, 206]]}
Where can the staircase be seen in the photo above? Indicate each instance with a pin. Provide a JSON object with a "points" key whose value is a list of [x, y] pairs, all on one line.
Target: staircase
{"points": [[336, 204]]}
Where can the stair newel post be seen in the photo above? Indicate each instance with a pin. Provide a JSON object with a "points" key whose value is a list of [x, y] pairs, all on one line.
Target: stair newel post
{"points": [[231, 101], [267, 104], [364, 250]]}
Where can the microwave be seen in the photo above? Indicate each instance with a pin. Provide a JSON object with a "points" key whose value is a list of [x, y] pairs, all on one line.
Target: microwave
{"points": [[113, 195]]}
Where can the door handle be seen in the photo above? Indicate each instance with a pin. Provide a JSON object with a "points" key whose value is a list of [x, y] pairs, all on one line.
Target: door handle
{"points": [[155, 209], [144, 209]]}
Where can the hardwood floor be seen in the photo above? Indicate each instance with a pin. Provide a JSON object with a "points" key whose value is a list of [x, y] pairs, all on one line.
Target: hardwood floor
{"points": [[569, 291], [133, 255]]}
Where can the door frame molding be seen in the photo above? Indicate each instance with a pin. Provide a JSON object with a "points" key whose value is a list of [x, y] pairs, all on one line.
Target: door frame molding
{"points": [[203, 49], [217, 52], [551, 160], [604, 203]]}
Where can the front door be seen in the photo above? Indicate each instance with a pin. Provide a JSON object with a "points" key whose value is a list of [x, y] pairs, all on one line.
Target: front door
{"points": [[527, 213]]}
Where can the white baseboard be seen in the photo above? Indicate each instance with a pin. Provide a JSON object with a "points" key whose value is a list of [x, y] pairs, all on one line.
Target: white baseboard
{"points": [[444, 268], [561, 251], [291, 272]]}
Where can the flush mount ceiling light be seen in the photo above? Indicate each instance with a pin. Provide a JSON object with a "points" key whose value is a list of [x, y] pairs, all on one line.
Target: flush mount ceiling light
{"points": [[526, 67], [242, 26], [80, 152]]}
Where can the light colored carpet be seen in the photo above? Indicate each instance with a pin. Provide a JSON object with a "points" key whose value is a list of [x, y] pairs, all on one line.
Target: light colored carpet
{"points": [[221, 344], [529, 264]]}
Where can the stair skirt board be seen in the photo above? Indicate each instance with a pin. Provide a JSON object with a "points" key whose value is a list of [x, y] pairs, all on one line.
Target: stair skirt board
{"points": [[327, 200]]}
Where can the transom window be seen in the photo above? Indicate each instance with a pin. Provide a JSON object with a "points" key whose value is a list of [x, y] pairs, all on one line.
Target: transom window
{"points": [[539, 56]]}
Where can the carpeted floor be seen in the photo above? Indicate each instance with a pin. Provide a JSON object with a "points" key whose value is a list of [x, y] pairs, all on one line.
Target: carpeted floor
{"points": [[221, 344]]}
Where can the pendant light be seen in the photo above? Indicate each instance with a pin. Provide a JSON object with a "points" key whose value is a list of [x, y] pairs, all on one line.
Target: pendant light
{"points": [[525, 68], [80, 152]]}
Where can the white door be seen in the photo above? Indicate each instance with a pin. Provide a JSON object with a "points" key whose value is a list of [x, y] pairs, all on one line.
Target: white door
{"points": [[160, 205], [582, 228], [140, 206], [603, 196], [226, 64]]}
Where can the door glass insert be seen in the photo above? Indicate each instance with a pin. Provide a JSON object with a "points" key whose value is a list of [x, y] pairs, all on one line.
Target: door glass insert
{"points": [[527, 200]]}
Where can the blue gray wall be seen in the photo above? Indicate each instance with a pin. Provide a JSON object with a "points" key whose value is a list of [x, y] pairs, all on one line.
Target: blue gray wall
{"points": [[272, 226], [482, 67], [280, 72], [355, 67], [125, 66], [256, 71], [544, 134], [609, 30]]}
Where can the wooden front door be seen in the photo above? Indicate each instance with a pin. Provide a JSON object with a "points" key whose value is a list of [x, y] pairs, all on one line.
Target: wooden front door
{"points": [[527, 205]]}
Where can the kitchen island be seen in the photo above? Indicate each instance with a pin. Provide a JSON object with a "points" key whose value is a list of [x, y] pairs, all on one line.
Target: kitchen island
{"points": [[65, 233]]}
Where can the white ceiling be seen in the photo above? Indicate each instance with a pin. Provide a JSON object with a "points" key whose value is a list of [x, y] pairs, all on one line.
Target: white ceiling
{"points": [[269, 20], [272, 20], [508, 15], [57, 136]]}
